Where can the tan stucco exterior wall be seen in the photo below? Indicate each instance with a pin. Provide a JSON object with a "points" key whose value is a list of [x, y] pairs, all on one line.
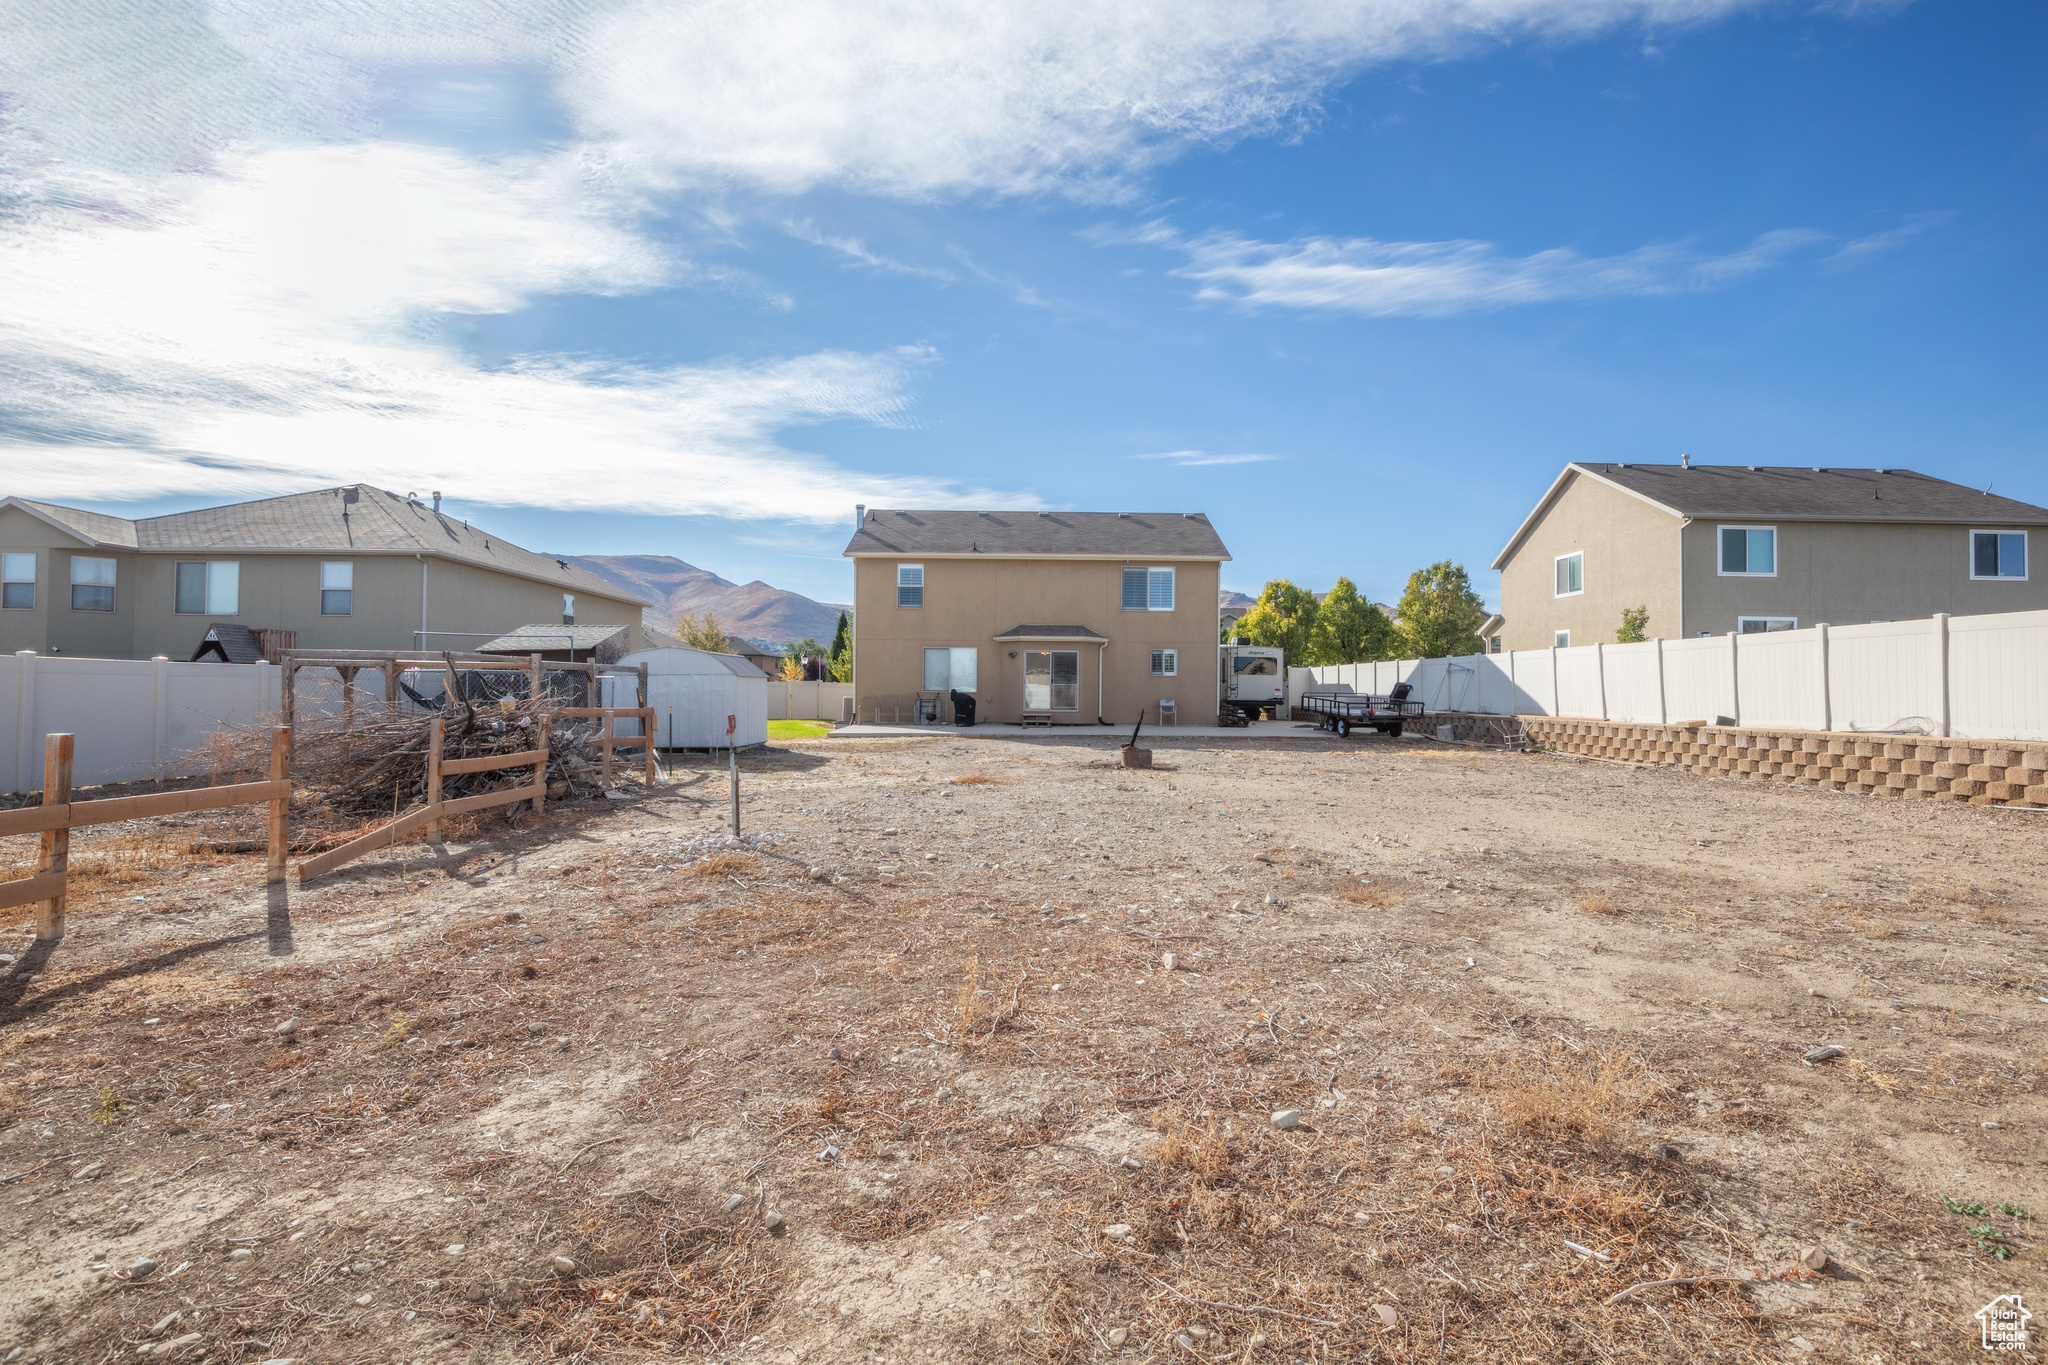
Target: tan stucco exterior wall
{"points": [[968, 601], [279, 592], [1847, 573], [1631, 551]]}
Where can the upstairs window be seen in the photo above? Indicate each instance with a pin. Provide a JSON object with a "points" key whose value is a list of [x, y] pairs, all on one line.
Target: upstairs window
{"points": [[1165, 663], [1749, 551], [910, 585], [92, 584], [1148, 589], [209, 589], [1998, 554], [1571, 574], [337, 589], [18, 581]]}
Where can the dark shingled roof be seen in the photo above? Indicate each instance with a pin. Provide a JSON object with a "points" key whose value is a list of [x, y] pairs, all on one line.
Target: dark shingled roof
{"points": [[1128, 535], [1828, 494], [312, 523], [540, 639], [237, 643], [1048, 633]]}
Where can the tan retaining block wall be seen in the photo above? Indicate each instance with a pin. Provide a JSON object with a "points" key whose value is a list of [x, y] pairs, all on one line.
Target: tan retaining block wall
{"points": [[1980, 772]]}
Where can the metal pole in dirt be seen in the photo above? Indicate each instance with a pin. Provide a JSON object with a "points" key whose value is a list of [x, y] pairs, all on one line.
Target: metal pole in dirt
{"points": [[671, 743], [732, 759]]}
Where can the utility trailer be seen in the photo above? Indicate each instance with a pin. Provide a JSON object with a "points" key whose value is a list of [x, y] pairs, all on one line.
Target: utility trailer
{"points": [[1341, 711]]}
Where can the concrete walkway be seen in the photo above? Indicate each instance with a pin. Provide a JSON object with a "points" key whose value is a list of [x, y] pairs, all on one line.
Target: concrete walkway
{"points": [[1152, 734]]}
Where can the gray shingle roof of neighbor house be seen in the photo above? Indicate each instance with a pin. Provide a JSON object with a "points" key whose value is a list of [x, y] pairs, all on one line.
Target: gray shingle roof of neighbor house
{"points": [[1796, 493], [300, 523], [530, 639], [1106, 535]]}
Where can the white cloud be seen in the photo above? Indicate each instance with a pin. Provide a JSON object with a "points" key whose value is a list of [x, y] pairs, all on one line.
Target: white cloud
{"points": [[939, 97], [277, 326], [1199, 458], [1439, 279]]}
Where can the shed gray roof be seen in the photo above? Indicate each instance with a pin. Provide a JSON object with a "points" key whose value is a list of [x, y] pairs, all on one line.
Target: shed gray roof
{"points": [[539, 639], [1827, 493], [312, 523], [1109, 535]]}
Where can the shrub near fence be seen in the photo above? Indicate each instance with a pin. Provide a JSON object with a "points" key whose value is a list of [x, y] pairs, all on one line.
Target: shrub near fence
{"points": [[1968, 677]]}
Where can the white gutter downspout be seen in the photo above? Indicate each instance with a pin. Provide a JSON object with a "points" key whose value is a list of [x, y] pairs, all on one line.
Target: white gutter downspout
{"points": [[1099, 650], [423, 599]]}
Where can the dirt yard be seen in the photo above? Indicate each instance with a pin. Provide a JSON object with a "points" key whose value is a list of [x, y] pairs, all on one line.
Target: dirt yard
{"points": [[984, 1050]]}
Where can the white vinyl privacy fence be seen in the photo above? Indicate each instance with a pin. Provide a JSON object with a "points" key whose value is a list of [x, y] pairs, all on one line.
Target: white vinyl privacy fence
{"points": [[806, 700], [1972, 677]]}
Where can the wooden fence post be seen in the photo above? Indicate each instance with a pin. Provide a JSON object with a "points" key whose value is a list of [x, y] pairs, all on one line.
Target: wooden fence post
{"points": [[280, 772], [56, 857], [607, 724], [540, 769], [535, 680], [647, 729], [435, 739]]}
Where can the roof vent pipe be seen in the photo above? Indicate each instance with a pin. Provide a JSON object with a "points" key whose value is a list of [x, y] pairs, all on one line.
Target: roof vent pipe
{"points": [[1685, 462], [437, 502], [860, 515]]}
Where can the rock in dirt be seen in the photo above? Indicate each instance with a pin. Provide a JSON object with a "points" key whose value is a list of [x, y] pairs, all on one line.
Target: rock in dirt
{"points": [[732, 1202], [1825, 1054], [563, 1265], [1119, 1335], [177, 1344], [835, 1055], [165, 1323], [241, 1254], [92, 1172], [1814, 1258], [537, 1029], [1117, 1230], [1184, 1342], [1170, 961], [1287, 1118], [365, 1300], [1667, 1153], [142, 1268], [773, 1221], [287, 1028], [1389, 1314]]}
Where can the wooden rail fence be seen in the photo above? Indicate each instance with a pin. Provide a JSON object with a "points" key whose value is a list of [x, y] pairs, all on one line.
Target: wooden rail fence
{"points": [[607, 741], [436, 810], [59, 815]]}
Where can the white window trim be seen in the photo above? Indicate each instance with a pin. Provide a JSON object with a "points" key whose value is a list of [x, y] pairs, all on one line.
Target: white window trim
{"points": [[1743, 526], [1740, 620], [1971, 546], [901, 585], [1579, 555], [1166, 663], [951, 652], [348, 564], [1149, 570], [1567, 639], [34, 572], [114, 587]]}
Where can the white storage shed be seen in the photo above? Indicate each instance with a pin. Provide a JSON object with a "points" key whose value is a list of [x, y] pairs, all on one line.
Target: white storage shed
{"points": [[692, 691]]}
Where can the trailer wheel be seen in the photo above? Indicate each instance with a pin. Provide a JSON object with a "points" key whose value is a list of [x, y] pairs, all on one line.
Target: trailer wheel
{"points": [[1343, 727], [1394, 731]]}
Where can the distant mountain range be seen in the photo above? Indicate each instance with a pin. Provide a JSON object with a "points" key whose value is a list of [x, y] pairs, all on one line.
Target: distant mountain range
{"points": [[1234, 603], [752, 611]]}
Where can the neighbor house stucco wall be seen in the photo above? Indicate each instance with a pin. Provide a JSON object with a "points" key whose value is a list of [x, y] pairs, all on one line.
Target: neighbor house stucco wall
{"points": [[1847, 573], [968, 601], [1631, 560]]}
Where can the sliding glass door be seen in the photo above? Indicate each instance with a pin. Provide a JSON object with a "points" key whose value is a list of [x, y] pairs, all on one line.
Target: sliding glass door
{"points": [[1052, 680]]}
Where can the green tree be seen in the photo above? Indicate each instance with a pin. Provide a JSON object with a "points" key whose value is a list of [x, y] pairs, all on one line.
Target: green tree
{"points": [[1634, 622], [840, 658], [795, 652], [1348, 629], [1440, 615], [704, 632], [1285, 616]]}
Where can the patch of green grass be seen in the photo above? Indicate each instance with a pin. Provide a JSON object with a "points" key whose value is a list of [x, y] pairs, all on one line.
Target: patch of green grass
{"points": [[799, 729]]}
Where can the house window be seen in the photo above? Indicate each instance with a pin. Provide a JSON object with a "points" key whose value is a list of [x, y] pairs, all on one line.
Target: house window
{"points": [[1493, 645], [210, 589], [910, 585], [1561, 640], [337, 589], [92, 584], [1571, 574], [1749, 551], [951, 670], [18, 581], [1757, 625], [1052, 680], [568, 608], [1165, 663], [1998, 554], [1148, 590]]}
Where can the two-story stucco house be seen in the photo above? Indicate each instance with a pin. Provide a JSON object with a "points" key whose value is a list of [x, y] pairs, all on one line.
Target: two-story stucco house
{"points": [[1078, 618], [1714, 549], [342, 568]]}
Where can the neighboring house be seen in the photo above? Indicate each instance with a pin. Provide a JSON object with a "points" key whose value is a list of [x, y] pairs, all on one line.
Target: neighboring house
{"points": [[1079, 616], [1714, 549], [342, 568], [605, 644]]}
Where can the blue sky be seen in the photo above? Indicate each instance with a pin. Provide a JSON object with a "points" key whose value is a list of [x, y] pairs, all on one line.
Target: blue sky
{"points": [[1354, 279]]}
